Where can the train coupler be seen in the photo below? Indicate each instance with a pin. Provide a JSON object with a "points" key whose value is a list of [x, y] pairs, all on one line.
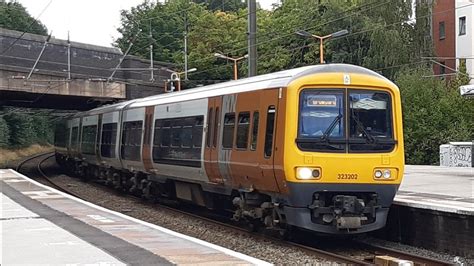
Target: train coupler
{"points": [[345, 212]]}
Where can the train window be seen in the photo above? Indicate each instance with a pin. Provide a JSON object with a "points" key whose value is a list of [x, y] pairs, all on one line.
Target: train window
{"points": [[74, 137], [109, 138], [166, 133], [89, 135], [60, 135], [243, 130], [176, 131], [197, 131], [216, 126], [253, 143], [183, 141], [209, 127], [269, 131], [370, 121], [132, 140], [187, 133], [228, 134]]}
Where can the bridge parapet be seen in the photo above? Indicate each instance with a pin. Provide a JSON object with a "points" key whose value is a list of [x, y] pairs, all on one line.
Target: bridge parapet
{"points": [[84, 79]]}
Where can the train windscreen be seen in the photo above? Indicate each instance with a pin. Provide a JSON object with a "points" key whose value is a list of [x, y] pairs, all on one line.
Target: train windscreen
{"points": [[343, 120]]}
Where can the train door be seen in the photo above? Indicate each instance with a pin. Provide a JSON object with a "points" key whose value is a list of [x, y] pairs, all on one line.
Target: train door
{"points": [[268, 109], [212, 140], [225, 137], [98, 139], [246, 150], [146, 152]]}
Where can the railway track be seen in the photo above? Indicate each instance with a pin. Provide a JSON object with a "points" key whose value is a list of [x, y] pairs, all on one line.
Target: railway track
{"points": [[337, 257], [37, 172]]}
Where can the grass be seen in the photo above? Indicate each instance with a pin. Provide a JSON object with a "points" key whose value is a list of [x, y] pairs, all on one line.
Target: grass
{"points": [[8, 156]]}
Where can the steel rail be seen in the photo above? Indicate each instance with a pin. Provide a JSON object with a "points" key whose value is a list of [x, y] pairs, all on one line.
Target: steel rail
{"points": [[24, 161], [330, 256], [42, 174], [416, 259]]}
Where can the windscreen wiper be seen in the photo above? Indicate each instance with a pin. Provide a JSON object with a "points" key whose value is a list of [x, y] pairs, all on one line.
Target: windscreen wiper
{"points": [[365, 133], [331, 127]]}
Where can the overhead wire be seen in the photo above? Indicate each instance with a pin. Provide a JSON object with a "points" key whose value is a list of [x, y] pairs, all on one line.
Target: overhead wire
{"points": [[293, 30], [345, 36]]}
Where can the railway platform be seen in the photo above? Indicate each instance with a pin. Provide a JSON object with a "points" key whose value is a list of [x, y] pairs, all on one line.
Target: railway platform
{"points": [[434, 209], [41, 225], [445, 189]]}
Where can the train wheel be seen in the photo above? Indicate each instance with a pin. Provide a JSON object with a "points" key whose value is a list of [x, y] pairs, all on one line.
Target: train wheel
{"points": [[286, 232]]}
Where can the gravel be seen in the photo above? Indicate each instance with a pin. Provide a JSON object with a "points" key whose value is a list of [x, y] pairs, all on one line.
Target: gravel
{"points": [[252, 246], [266, 250], [457, 260]]}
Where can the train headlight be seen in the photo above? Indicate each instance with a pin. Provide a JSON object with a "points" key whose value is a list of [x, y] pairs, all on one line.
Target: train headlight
{"points": [[378, 174], [304, 173], [307, 173], [382, 174]]}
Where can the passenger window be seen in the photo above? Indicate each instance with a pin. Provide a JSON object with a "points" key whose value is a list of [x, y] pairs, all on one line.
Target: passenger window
{"points": [[253, 143], [109, 138], [89, 135], [216, 126], [197, 131], [209, 127], [131, 140], [187, 132], [74, 137], [228, 134], [181, 141], [269, 131], [243, 130], [176, 134], [166, 135]]}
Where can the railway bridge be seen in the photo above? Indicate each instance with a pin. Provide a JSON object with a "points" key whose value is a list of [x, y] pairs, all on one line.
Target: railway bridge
{"points": [[41, 72]]}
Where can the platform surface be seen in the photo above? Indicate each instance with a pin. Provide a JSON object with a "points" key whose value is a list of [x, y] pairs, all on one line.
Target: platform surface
{"points": [[40, 225], [447, 189]]}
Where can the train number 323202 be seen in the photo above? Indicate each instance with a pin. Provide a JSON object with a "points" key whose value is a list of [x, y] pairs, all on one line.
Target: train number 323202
{"points": [[347, 176]]}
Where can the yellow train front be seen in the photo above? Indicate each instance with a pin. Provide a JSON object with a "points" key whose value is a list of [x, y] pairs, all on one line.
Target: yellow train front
{"points": [[344, 155]]}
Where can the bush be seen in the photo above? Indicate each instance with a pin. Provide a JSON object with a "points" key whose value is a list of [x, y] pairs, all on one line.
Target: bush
{"points": [[21, 130], [4, 134], [434, 113]]}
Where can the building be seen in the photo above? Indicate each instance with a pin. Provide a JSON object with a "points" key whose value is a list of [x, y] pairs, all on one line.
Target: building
{"points": [[465, 34], [444, 39], [453, 36]]}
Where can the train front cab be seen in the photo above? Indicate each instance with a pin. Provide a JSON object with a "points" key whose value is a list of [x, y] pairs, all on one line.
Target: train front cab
{"points": [[344, 152]]}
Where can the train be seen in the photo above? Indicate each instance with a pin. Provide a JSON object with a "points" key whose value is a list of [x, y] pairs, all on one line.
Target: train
{"points": [[318, 148]]}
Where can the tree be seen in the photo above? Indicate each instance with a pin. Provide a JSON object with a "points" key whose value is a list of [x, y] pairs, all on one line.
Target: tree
{"points": [[433, 114], [42, 129], [4, 133], [223, 5], [21, 129], [14, 16], [165, 22]]}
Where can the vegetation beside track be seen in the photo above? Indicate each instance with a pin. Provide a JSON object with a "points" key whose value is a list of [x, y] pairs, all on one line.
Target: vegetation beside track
{"points": [[8, 157]]}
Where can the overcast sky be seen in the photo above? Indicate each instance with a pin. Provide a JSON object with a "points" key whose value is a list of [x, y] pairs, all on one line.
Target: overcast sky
{"points": [[88, 21]]}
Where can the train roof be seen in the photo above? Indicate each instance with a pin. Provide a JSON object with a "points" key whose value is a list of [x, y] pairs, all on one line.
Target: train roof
{"points": [[272, 80]]}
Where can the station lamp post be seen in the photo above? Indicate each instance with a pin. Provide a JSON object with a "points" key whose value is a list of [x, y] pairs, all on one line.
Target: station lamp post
{"points": [[232, 59], [176, 77], [321, 39]]}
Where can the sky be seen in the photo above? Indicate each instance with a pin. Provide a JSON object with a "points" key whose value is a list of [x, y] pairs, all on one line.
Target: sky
{"points": [[88, 21]]}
